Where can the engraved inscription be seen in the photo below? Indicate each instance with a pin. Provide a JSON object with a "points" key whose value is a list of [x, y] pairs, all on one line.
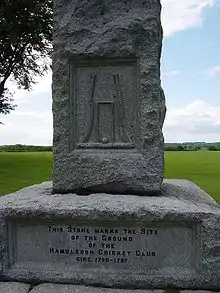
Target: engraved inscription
{"points": [[104, 104], [155, 247]]}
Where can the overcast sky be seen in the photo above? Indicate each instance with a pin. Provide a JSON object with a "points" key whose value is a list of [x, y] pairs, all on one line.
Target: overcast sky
{"points": [[190, 77]]}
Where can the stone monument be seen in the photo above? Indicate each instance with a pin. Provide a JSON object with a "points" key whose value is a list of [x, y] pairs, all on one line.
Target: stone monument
{"points": [[90, 226], [108, 104]]}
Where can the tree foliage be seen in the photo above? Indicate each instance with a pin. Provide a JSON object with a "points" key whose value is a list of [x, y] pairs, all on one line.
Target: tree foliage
{"points": [[25, 40]]}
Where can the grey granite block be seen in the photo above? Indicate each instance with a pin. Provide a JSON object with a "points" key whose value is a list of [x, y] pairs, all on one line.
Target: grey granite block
{"points": [[14, 287], [108, 104], [58, 288], [120, 241]]}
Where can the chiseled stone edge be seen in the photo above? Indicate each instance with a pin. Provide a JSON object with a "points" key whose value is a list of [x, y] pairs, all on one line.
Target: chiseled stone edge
{"points": [[181, 189], [186, 190], [60, 288], [14, 287]]}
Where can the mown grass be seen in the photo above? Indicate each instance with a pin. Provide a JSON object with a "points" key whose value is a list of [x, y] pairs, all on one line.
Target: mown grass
{"points": [[18, 170], [201, 167]]}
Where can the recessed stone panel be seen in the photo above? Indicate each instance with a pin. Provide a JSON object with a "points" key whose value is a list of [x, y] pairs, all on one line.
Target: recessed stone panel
{"points": [[146, 248], [104, 103]]}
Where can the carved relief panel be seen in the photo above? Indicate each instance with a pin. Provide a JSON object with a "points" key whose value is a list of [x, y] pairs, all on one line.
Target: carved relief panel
{"points": [[104, 103]]}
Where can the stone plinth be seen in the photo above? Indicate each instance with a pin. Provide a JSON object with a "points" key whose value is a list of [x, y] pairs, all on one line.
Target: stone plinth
{"points": [[58, 288], [108, 105], [120, 241], [14, 287]]}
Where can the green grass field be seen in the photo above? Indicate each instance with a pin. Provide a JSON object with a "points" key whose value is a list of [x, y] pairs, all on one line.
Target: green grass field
{"points": [[18, 170], [201, 167]]}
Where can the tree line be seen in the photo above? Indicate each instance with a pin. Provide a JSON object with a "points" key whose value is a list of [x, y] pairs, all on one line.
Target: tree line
{"points": [[167, 147], [25, 148], [192, 146]]}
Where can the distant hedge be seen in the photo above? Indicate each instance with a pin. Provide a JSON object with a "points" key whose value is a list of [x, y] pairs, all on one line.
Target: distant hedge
{"points": [[168, 147], [192, 146], [25, 148]]}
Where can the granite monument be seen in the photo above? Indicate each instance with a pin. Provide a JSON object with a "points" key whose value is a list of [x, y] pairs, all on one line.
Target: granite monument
{"points": [[108, 104], [90, 226]]}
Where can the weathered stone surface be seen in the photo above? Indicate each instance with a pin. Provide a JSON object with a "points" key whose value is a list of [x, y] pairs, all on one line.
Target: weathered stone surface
{"points": [[193, 291], [58, 288], [14, 287], [186, 245], [108, 104]]}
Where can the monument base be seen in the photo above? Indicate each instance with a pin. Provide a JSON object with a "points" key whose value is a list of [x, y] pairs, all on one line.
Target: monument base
{"points": [[120, 241]]}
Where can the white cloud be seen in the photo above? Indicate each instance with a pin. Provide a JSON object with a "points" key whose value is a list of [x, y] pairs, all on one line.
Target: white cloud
{"points": [[30, 123], [42, 86], [197, 121], [179, 15], [27, 128], [213, 70], [171, 73]]}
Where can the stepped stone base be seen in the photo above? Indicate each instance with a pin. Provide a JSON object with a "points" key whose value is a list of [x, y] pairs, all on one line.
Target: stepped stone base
{"points": [[60, 288], [14, 287], [118, 241]]}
